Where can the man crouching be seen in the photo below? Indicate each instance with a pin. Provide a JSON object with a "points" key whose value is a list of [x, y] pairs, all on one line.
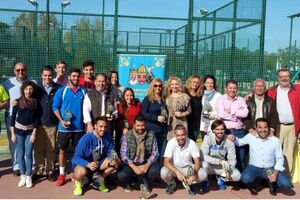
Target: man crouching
{"points": [[94, 152]]}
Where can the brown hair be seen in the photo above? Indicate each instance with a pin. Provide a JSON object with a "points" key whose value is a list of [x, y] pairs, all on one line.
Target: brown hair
{"points": [[123, 102], [31, 102]]}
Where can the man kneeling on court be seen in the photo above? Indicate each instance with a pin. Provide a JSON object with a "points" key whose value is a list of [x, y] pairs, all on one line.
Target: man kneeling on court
{"points": [[94, 152], [178, 162]]}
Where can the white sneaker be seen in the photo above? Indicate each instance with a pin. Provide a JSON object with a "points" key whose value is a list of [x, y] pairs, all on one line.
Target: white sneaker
{"points": [[28, 182], [22, 181]]}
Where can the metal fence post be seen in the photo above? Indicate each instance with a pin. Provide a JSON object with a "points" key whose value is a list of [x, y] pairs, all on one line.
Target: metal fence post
{"points": [[115, 45]]}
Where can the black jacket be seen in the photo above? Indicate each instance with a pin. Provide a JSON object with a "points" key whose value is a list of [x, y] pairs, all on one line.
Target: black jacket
{"points": [[46, 115], [269, 112]]}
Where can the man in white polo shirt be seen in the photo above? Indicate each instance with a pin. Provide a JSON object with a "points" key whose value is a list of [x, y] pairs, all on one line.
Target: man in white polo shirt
{"points": [[178, 162]]}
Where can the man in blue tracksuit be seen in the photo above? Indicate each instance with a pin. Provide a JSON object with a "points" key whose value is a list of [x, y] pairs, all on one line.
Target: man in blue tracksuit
{"points": [[67, 106], [94, 152]]}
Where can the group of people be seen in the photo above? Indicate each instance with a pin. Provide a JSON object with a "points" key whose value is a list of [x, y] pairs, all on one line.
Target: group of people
{"points": [[116, 138]]}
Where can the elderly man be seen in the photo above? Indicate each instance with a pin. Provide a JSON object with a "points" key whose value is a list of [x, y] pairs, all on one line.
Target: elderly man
{"points": [[182, 160], [139, 153], [260, 105], [219, 155], [12, 86], [266, 158], [287, 97], [232, 109]]}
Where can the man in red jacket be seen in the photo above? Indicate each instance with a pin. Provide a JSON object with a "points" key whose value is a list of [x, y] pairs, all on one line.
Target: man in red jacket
{"points": [[287, 96]]}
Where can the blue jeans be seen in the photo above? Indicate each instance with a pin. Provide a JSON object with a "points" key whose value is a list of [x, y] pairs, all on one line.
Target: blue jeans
{"points": [[240, 151], [161, 139], [24, 148], [12, 146], [252, 172]]}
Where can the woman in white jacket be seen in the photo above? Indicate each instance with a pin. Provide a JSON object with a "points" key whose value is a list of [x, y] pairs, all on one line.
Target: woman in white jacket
{"points": [[210, 96]]}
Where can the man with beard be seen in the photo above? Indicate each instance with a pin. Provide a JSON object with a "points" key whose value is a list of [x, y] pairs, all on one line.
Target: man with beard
{"points": [[266, 158], [219, 156], [67, 106], [96, 103], [182, 160], [287, 97], [93, 154], [232, 109], [139, 153]]}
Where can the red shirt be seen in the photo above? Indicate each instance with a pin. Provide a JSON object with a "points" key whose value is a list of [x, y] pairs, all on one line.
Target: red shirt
{"points": [[86, 84], [131, 112]]}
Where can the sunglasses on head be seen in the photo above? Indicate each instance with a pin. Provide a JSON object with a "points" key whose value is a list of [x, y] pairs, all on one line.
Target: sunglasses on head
{"points": [[20, 70], [158, 86]]}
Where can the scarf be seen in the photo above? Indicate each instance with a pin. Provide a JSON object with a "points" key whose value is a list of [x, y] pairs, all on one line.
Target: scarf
{"points": [[209, 94], [140, 140]]}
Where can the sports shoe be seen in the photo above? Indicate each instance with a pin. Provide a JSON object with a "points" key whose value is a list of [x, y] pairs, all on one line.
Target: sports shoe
{"points": [[171, 188], [77, 188], [221, 183], [28, 182], [22, 181], [102, 186], [61, 180], [128, 188], [204, 186]]}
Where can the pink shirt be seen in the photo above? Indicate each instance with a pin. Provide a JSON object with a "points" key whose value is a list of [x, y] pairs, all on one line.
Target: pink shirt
{"points": [[238, 111]]}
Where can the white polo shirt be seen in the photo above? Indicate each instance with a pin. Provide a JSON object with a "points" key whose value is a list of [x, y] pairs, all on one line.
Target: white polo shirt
{"points": [[181, 157]]}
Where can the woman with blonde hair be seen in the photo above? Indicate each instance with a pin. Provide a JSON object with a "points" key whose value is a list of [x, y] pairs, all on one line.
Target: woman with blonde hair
{"points": [[194, 88], [155, 112], [178, 104]]}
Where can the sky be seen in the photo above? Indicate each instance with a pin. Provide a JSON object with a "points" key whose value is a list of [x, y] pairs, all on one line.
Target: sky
{"points": [[277, 23]]}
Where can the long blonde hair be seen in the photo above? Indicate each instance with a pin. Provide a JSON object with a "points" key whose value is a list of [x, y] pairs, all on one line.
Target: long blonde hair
{"points": [[168, 87], [150, 92], [188, 83]]}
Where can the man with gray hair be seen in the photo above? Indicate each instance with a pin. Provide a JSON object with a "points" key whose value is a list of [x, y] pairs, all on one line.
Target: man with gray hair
{"points": [[260, 105], [178, 162], [287, 97]]}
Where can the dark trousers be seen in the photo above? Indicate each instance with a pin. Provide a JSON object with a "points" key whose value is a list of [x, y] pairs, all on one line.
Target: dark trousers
{"points": [[126, 174]]}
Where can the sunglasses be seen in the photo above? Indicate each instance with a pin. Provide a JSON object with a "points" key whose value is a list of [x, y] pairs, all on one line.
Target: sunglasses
{"points": [[157, 86], [20, 70]]}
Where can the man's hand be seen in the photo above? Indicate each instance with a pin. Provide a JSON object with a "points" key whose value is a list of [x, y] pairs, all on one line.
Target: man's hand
{"points": [[252, 131], [248, 96], [161, 119], [177, 114], [125, 130], [92, 166], [191, 180], [272, 131], [65, 124], [137, 170], [273, 177], [231, 137], [89, 127], [227, 110], [144, 167], [180, 177]]}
